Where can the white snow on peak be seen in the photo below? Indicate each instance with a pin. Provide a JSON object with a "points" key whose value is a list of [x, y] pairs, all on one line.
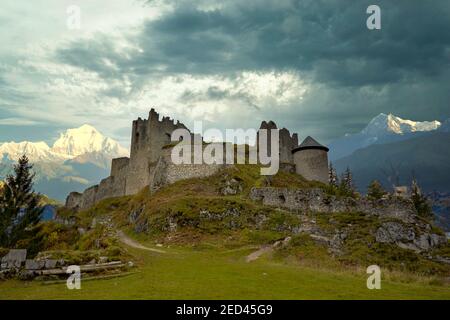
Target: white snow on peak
{"points": [[35, 151], [86, 139], [72, 143], [391, 124]]}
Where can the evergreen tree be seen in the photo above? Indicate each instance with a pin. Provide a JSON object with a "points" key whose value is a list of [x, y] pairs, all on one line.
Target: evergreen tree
{"points": [[332, 176], [349, 180], [375, 191], [346, 186], [19, 204], [420, 202]]}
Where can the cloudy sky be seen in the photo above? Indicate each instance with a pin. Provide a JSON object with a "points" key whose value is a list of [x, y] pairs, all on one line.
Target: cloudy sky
{"points": [[310, 65]]}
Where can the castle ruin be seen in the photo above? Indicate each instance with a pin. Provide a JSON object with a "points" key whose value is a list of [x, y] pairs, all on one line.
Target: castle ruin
{"points": [[150, 165]]}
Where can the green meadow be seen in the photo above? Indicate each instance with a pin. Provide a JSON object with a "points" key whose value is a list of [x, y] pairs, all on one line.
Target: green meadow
{"points": [[207, 273]]}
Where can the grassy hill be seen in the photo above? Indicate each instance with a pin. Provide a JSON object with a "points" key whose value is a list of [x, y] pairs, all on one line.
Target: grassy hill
{"points": [[209, 228]]}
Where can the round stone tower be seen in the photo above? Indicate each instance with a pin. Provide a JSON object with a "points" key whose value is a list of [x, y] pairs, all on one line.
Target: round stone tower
{"points": [[311, 160]]}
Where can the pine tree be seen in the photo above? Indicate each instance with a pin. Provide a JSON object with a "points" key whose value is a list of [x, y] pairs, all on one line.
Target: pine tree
{"points": [[346, 186], [420, 202], [332, 176], [349, 180], [19, 204], [375, 191]]}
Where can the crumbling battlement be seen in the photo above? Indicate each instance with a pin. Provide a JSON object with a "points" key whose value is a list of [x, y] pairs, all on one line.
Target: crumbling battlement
{"points": [[287, 142], [148, 137]]}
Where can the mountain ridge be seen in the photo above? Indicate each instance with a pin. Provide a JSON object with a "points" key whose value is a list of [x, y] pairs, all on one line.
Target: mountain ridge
{"points": [[425, 157], [383, 128], [71, 144], [80, 157]]}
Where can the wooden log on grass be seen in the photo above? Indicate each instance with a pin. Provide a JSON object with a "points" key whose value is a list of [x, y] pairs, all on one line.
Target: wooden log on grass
{"points": [[83, 268]]}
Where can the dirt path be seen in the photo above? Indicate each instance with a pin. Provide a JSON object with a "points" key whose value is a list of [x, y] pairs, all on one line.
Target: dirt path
{"points": [[267, 249], [256, 254], [134, 244]]}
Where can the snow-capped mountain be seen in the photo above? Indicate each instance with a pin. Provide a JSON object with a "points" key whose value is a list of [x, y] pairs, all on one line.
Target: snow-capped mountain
{"points": [[79, 157], [389, 124], [384, 128], [86, 139], [36, 151], [71, 144]]}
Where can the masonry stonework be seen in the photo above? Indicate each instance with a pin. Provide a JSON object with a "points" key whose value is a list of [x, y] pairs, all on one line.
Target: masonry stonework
{"points": [[311, 160], [147, 140], [166, 172], [286, 142]]}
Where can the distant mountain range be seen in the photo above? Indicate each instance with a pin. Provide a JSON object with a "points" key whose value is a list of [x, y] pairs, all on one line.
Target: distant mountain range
{"points": [[426, 157], [79, 158], [384, 128], [393, 150]]}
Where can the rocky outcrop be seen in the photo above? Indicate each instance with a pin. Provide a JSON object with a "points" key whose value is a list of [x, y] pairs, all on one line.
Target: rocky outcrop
{"points": [[406, 237], [14, 259], [231, 186], [401, 225], [391, 232]]}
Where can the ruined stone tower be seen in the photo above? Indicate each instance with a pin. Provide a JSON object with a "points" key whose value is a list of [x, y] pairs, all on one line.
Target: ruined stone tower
{"points": [[147, 139], [311, 160]]}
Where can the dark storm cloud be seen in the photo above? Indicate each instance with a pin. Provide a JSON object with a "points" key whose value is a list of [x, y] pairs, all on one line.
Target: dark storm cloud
{"points": [[213, 93], [328, 38], [361, 72], [93, 55]]}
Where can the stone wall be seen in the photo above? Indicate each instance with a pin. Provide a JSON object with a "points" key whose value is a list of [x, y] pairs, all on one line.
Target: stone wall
{"points": [[317, 200], [166, 172], [161, 173], [90, 196], [110, 187], [287, 144], [119, 165], [312, 164], [120, 170]]}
